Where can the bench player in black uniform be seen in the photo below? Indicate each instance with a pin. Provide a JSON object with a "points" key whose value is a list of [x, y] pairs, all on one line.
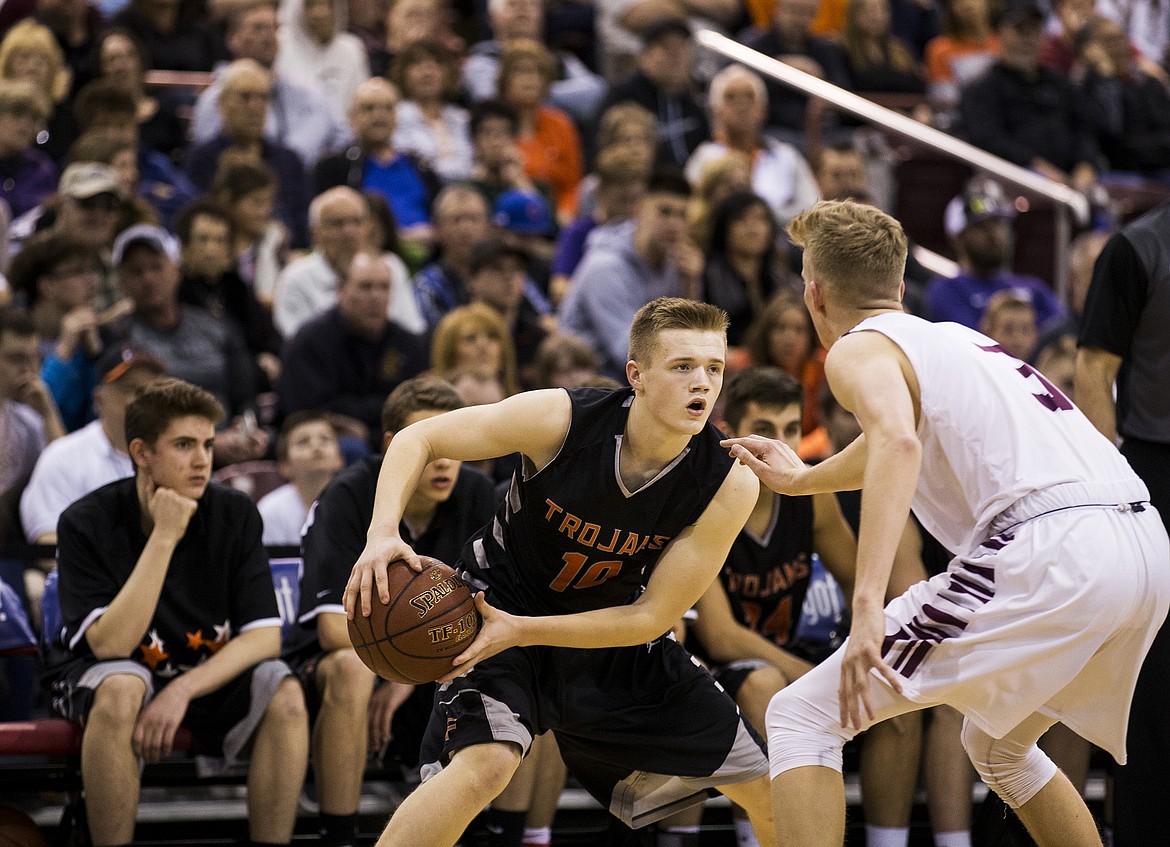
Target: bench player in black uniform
{"points": [[621, 518], [449, 504], [747, 619]]}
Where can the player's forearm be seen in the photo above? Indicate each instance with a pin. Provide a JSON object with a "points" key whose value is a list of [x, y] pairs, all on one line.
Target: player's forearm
{"points": [[402, 468], [1096, 371], [891, 477], [240, 653], [743, 643], [121, 626], [617, 626], [844, 471]]}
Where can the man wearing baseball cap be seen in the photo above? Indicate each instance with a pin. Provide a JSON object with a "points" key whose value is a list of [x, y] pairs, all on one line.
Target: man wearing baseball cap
{"points": [[978, 223]]}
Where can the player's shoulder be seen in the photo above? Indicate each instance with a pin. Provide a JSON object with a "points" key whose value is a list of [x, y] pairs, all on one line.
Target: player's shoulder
{"points": [[94, 512]]}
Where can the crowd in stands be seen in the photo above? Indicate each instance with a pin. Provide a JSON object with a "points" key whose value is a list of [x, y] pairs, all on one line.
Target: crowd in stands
{"points": [[333, 198]]}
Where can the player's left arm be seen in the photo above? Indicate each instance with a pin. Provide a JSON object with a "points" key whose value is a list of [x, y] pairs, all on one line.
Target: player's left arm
{"points": [[872, 377], [688, 565], [834, 542]]}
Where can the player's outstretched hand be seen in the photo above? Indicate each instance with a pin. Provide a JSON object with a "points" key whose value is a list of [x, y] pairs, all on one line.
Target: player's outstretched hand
{"points": [[774, 462], [863, 653], [497, 632], [369, 573]]}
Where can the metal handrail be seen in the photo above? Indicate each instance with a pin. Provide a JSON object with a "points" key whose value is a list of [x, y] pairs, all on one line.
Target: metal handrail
{"points": [[1066, 199]]}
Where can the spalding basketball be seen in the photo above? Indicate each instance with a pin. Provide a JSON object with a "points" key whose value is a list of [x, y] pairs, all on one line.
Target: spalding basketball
{"points": [[430, 619]]}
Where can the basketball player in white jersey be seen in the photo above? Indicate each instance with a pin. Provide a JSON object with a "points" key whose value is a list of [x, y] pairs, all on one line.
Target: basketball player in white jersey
{"points": [[1062, 568]]}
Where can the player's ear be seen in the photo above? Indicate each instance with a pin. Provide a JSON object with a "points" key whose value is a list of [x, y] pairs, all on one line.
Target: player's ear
{"points": [[634, 374], [138, 452]]}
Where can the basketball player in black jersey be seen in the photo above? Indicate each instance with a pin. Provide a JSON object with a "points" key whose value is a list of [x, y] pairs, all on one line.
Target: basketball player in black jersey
{"points": [[621, 517]]}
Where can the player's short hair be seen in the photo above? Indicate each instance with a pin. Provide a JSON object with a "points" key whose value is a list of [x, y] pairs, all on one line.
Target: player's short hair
{"points": [[765, 386], [420, 394], [857, 250], [162, 401], [295, 420], [672, 313]]}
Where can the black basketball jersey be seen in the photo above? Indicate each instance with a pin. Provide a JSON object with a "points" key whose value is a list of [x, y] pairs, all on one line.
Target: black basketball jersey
{"points": [[571, 538], [767, 577]]}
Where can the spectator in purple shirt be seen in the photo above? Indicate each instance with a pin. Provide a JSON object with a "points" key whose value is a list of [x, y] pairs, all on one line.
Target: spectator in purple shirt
{"points": [[27, 176]]}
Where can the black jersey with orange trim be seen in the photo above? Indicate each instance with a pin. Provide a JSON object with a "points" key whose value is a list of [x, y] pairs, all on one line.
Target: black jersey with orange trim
{"points": [[766, 577], [572, 538]]}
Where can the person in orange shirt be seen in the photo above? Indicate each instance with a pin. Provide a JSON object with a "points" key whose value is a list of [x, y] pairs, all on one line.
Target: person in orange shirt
{"points": [[550, 148]]}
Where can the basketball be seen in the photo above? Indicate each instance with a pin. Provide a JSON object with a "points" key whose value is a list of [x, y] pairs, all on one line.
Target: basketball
{"points": [[430, 619]]}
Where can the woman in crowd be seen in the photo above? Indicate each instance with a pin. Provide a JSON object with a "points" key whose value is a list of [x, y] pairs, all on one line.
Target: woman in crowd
{"points": [[474, 339], [428, 124], [743, 268], [739, 110], [878, 60], [783, 335], [30, 52], [967, 46], [550, 149], [248, 191], [719, 178], [27, 175], [120, 57]]}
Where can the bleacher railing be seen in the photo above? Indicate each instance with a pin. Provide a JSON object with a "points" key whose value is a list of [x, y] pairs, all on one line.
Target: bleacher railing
{"points": [[1069, 204]]}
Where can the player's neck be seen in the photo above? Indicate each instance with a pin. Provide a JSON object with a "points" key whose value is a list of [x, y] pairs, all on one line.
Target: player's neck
{"points": [[837, 323], [647, 447]]}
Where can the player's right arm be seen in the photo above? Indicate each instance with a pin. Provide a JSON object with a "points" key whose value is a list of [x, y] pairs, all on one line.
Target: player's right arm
{"points": [[533, 423], [726, 639], [119, 629], [1096, 371], [779, 468]]}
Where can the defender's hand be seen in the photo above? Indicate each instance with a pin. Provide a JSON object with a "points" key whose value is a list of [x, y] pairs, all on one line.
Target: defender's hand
{"points": [[369, 573], [863, 653], [774, 462]]}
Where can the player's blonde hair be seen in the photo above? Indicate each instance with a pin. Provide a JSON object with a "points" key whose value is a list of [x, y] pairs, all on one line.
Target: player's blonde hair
{"points": [[856, 249], [671, 313]]}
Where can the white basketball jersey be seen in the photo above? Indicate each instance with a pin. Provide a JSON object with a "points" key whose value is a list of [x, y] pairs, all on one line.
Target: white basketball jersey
{"points": [[992, 428]]}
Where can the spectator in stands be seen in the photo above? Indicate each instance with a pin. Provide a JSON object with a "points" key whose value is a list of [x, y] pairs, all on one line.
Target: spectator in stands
{"points": [[31, 53], [572, 87], [564, 361], [447, 506], [27, 175], [780, 174], [783, 336], [1146, 22], [244, 100], [743, 268], [628, 265], [349, 358], [158, 572], [461, 221], [1057, 360], [87, 459], [373, 163], [1082, 256], [58, 277], [499, 271], [120, 58], [627, 126], [176, 39], [248, 191], [315, 48], [1132, 108], [1029, 114], [877, 59], [620, 24], [28, 415], [966, 48], [978, 224], [299, 116], [340, 223], [527, 221], [1010, 321], [211, 281], [104, 105], [308, 455], [73, 24], [497, 165], [663, 85], [474, 340], [621, 183], [113, 148], [550, 149], [192, 343], [790, 40], [718, 179], [408, 21], [428, 125]]}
